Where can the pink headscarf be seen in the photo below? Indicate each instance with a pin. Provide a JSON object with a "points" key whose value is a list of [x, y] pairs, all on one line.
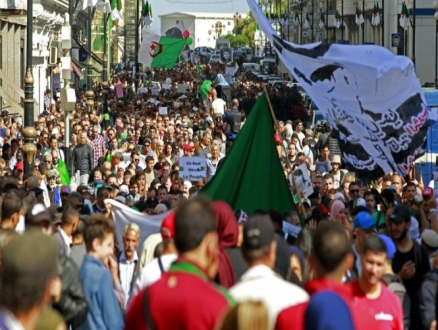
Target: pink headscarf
{"points": [[337, 206]]}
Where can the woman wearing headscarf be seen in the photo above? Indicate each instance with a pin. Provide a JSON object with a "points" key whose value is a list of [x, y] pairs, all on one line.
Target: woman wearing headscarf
{"points": [[336, 207], [231, 263]]}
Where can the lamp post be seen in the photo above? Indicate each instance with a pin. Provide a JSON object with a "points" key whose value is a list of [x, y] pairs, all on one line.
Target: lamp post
{"points": [[89, 94], [68, 95], [435, 5], [342, 21], [29, 131]]}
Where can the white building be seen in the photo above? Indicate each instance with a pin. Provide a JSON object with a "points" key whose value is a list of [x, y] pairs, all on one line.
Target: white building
{"points": [[202, 26]]}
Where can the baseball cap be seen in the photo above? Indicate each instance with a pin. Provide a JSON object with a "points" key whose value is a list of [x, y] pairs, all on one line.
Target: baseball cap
{"points": [[430, 238], [361, 202], [401, 213], [37, 191], [121, 197], [151, 202], [188, 147], [168, 226], [258, 232], [65, 190], [37, 214], [19, 167], [390, 246], [364, 220], [428, 192]]}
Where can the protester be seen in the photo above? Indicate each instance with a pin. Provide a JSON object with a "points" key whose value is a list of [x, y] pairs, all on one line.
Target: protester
{"points": [[260, 282], [187, 283]]}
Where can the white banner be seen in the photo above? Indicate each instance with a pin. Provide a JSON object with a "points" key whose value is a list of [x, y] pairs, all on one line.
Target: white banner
{"points": [[124, 215]]}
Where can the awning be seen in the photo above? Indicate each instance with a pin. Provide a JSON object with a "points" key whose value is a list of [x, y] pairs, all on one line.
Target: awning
{"points": [[77, 70]]}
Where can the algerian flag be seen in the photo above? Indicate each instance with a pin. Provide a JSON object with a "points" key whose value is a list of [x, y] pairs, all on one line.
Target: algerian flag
{"points": [[240, 176], [159, 51], [377, 19], [373, 18], [205, 88], [297, 20], [63, 173], [357, 15], [404, 16], [88, 3], [321, 20], [306, 24], [104, 5], [116, 10], [146, 13], [337, 20]]}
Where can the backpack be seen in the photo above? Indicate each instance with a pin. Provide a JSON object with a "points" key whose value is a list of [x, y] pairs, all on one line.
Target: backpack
{"points": [[395, 285], [237, 121]]}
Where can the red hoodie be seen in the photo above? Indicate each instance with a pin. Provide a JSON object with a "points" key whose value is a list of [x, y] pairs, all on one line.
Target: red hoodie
{"points": [[293, 317]]}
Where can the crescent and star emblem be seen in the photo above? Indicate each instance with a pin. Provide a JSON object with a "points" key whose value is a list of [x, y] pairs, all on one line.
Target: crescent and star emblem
{"points": [[155, 49]]}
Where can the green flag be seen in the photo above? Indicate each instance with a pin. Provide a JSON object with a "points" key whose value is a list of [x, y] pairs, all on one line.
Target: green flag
{"points": [[198, 69], [251, 176], [205, 87], [63, 173]]}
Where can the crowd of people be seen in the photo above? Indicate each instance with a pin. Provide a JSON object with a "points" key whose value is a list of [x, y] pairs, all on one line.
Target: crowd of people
{"points": [[365, 254]]}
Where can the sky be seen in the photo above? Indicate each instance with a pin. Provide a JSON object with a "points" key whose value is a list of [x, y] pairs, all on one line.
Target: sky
{"points": [[162, 7]]}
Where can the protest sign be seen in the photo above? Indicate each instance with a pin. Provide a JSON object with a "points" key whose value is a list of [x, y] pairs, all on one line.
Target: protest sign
{"points": [[302, 181], [192, 168], [182, 88]]}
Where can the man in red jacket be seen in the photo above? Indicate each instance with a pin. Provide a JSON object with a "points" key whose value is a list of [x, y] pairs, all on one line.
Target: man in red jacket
{"points": [[185, 297], [329, 262]]}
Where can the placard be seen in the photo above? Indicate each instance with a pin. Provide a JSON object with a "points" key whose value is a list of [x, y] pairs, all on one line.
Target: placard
{"points": [[166, 86], [182, 88], [142, 90], [302, 181], [291, 229], [162, 111], [192, 168]]}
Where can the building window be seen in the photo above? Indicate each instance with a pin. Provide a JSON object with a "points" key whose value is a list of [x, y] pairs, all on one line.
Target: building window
{"points": [[229, 23]]}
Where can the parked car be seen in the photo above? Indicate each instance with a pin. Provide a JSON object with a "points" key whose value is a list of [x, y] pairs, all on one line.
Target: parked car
{"points": [[247, 52], [215, 58], [204, 53]]}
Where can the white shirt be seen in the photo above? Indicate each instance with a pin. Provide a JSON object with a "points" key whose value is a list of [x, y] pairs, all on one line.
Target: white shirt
{"points": [[10, 320], [262, 283], [68, 241], [126, 270], [218, 106], [152, 272]]}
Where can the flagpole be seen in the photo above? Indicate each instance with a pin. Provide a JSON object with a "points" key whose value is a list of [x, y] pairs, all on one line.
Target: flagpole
{"points": [[413, 30], [382, 23], [301, 24], [288, 165]]}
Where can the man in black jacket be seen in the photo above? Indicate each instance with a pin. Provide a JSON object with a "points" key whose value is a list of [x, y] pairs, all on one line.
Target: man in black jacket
{"points": [[82, 159], [71, 303]]}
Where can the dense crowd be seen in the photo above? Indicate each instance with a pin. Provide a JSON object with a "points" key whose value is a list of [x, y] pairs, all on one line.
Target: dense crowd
{"points": [[364, 253]]}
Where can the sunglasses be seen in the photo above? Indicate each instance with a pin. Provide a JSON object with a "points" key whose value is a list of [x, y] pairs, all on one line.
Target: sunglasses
{"points": [[354, 191]]}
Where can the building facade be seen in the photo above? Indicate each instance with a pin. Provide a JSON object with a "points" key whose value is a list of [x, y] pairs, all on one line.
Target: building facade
{"points": [[204, 28]]}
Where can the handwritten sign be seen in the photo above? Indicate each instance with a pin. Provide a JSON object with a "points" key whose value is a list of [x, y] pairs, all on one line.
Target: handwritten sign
{"points": [[291, 229], [162, 111], [192, 168]]}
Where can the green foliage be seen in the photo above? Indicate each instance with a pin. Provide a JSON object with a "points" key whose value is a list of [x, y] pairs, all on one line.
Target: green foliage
{"points": [[237, 41]]}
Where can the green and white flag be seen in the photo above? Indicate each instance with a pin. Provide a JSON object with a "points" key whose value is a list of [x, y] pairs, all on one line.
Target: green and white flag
{"points": [[321, 20], [404, 15], [306, 24], [116, 10], [146, 12], [159, 51], [337, 20], [104, 5]]}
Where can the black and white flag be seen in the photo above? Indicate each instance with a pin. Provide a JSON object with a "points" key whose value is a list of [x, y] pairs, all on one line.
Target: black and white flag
{"points": [[370, 97]]}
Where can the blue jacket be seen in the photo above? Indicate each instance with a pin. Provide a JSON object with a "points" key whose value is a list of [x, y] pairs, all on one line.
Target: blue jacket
{"points": [[103, 308]]}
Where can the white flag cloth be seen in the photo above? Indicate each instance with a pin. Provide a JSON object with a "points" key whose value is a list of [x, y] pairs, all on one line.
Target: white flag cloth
{"points": [[105, 6], [377, 19], [306, 24], [403, 21], [361, 20], [370, 97], [88, 3], [321, 24], [116, 15], [373, 19], [124, 215]]}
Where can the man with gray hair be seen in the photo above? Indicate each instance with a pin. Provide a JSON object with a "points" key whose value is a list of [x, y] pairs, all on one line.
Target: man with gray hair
{"points": [[128, 259]]}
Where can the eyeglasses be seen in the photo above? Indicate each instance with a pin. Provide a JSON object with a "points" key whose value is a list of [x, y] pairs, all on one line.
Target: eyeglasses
{"points": [[78, 206], [136, 159], [147, 145], [354, 191]]}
